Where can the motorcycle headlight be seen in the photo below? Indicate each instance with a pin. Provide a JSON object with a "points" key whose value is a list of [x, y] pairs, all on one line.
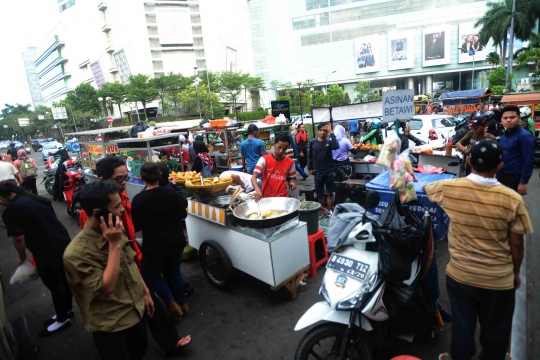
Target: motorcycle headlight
{"points": [[324, 293], [355, 300]]}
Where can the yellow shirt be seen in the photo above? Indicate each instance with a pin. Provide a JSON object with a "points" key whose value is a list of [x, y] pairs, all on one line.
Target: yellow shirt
{"points": [[482, 215], [85, 260]]}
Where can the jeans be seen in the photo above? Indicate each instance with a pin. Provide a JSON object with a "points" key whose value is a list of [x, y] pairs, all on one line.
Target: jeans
{"points": [[164, 271], [300, 170], [128, 344], [492, 308]]}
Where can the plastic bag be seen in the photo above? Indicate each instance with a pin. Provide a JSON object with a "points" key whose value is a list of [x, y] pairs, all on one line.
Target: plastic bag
{"points": [[137, 128], [24, 273], [402, 246], [389, 151], [397, 175]]}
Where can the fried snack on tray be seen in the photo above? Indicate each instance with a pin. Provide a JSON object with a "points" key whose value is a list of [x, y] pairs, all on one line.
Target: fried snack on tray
{"points": [[183, 176]]}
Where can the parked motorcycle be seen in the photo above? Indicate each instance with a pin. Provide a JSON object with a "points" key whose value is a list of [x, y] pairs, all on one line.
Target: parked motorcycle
{"points": [[48, 180], [354, 309]]}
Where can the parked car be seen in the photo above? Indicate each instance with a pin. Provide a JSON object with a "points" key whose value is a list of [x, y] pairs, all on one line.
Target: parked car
{"points": [[4, 144], [429, 128], [50, 147], [15, 340]]}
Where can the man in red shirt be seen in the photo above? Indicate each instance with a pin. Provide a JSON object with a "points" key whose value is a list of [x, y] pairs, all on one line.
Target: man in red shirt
{"points": [[276, 169], [113, 169]]}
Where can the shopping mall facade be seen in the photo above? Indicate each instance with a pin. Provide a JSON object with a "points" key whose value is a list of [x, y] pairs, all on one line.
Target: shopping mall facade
{"points": [[423, 45]]}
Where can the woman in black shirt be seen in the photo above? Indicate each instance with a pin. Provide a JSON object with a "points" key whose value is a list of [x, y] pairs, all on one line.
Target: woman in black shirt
{"points": [[159, 212]]}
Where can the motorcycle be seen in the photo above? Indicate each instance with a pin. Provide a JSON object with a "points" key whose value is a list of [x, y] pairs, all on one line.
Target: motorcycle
{"points": [[48, 180], [537, 153], [354, 306]]}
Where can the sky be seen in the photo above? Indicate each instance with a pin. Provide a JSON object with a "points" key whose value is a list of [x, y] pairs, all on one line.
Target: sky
{"points": [[24, 23]]}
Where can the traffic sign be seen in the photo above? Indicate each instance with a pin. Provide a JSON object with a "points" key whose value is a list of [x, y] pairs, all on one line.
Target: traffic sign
{"points": [[110, 120]]}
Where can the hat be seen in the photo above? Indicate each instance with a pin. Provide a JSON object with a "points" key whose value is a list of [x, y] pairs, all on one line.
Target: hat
{"points": [[252, 128], [486, 155], [182, 138], [478, 121]]}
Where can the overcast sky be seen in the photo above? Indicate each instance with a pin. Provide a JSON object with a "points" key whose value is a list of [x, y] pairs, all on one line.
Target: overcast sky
{"points": [[24, 23]]}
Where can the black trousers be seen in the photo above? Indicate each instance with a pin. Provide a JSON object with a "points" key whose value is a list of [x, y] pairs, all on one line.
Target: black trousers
{"points": [[509, 180], [30, 185], [162, 327], [492, 308], [128, 344], [54, 278]]}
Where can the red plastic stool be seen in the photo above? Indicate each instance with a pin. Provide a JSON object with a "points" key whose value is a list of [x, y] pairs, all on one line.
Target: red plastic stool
{"points": [[317, 257]]}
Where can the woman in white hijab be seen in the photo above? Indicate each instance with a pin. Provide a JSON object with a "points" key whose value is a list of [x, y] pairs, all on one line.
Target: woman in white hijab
{"points": [[343, 168]]}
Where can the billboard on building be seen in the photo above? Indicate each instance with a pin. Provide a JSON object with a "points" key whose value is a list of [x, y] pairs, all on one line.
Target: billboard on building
{"points": [[469, 44], [230, 59], [400, 50], [436, 47], [367, 54]]}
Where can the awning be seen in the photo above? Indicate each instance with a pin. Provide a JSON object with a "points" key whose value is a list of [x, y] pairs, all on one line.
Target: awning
{"points": [[530, 98], [466, 94]]}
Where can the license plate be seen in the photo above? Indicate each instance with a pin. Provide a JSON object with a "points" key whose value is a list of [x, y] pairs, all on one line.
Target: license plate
{"points": [[348, 266]]}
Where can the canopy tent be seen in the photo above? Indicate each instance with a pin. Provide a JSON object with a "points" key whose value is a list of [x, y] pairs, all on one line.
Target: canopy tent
{"points": [[466, 97], [530, 98]]}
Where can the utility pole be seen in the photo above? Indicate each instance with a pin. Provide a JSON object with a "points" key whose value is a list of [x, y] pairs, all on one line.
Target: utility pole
{"points": [[510, 49]]}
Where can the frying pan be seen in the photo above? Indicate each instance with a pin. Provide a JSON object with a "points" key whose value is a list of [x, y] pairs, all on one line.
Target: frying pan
{"points": [[273, 203]]}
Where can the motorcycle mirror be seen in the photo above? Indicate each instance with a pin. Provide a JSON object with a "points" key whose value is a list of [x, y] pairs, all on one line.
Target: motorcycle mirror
{"points": [[372, 199]]}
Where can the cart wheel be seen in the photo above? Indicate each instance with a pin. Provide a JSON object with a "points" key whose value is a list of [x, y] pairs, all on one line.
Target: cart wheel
{"points": [[216, 264]]}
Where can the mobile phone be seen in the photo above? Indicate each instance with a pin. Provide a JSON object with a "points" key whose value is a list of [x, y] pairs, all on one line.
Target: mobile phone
{"points": [[105, 213]]}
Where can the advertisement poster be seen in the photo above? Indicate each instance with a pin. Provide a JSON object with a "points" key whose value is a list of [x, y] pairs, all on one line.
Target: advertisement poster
{"points": [[281, 107], [367, 54], [436, 46], [400, 50], [469, 44]]}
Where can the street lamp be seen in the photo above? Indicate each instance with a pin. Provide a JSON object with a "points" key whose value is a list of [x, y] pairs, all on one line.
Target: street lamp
{"points": [[299, 83], [471, 53], [326, 81], [209, 91], [196, 82], [311, 91], [234, 93]]}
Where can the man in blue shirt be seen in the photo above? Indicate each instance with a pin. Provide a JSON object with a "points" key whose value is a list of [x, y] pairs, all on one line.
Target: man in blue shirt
{"points": [[252, 149], [518, 152], [353, 130]]}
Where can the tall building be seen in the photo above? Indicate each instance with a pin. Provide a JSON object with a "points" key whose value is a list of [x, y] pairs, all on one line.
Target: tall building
{"points": [[32, 77], [425, 45], [107, 41]]}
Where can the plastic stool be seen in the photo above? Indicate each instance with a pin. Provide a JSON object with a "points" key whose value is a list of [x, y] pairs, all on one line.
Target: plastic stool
{"points": [[309, 192], [317, 257]]}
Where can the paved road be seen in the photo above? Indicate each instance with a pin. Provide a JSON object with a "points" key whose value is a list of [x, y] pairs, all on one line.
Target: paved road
{"points": [[249, 322]]}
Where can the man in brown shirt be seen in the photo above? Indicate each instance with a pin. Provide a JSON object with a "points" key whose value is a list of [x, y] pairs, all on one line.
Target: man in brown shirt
{"points": [[104, 278]]}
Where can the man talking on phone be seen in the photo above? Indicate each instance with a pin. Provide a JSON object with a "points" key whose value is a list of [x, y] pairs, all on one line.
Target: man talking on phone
{"points": [[104, 278]]}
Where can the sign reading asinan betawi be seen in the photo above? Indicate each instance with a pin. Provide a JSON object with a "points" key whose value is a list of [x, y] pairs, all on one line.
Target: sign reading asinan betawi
{"points": [[398, 104]]}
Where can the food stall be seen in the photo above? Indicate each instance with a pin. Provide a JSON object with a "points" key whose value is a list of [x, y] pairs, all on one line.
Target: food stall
{"points": [[530, 99], [221, 143], [96, 144], [137, 151], [273, 250], [465, 101]]}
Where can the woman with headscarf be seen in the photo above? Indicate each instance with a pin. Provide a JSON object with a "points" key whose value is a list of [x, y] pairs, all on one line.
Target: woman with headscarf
{"points": [[343, 168], [60, 175], [27, 171], [203, 162]]}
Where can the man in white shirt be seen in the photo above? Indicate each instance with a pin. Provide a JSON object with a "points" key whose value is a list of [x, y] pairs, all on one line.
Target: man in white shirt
{"points": [[8, 172], [239, 178]]}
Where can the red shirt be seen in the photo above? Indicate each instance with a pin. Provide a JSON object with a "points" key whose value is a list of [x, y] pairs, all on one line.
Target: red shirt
{"points": [[127, 221], [275, 174]]}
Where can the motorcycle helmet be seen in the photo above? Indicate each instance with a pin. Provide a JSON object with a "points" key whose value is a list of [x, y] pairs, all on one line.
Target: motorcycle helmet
{"points": [[489, 115], [376, 124], [525, 111], [461, 122], [12, 144]]}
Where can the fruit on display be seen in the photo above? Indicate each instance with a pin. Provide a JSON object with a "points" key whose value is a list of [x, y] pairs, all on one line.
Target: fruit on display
{"points": [[367, 147]]}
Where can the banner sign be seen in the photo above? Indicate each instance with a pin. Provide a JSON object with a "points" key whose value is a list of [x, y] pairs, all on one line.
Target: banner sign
{"points": [[281, 107], [398, 104], [112, 149], [95, 149]]}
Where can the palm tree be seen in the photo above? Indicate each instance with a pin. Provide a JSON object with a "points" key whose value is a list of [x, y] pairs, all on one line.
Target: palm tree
{"points": [[496, 23], [494, 59]]}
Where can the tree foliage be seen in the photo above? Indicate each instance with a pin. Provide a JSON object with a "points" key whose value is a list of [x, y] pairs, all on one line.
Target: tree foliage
{"points": [[494, 59], [498, 77], [84, 98], [117, 93], [140, 90], [531, 56]]}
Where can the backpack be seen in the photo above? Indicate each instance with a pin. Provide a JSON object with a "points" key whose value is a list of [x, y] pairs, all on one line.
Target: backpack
{"points": [[27, 169]]}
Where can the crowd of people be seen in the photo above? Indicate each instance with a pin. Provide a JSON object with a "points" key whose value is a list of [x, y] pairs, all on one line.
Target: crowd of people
{"points": [[123, 287]]}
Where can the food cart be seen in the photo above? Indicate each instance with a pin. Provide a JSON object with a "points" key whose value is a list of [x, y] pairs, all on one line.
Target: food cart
{"points": [[96, 144], [138, 151], [214, 136], [530, 99], [277, 256], [465, 101]]}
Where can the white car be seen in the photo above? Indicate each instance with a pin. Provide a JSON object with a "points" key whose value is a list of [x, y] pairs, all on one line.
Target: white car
{"points": [[433, 127]]}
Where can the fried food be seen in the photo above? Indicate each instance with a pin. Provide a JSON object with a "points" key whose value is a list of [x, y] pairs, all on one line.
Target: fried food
{"points": [[183, 176]]}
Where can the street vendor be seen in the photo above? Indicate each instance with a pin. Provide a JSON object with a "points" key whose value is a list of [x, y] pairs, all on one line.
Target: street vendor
{"points": [[277, 171], [239, 178]]}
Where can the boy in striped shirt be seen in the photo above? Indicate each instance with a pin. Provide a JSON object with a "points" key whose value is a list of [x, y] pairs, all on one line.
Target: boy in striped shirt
{"points": [[487, 223]]}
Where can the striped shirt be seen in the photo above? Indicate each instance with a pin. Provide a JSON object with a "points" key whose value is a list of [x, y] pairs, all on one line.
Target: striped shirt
{"points": [[482, 214]]}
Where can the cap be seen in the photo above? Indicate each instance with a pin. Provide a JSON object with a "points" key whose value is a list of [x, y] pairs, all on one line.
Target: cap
{"points": [[478, 121], [182, 138], [486, 155], [252, 128]]}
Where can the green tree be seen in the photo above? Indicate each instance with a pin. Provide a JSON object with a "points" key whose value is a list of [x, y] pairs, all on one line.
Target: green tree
{"points": [[178, 83], [336, 95], [117, 93], [211, 79], [531, 56], [254, 84], [494, 59], [84, 98], [140, 90], [498, 77], [230, 81], [319, 99], [162, 85], [495, 23], [362, 88]]}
